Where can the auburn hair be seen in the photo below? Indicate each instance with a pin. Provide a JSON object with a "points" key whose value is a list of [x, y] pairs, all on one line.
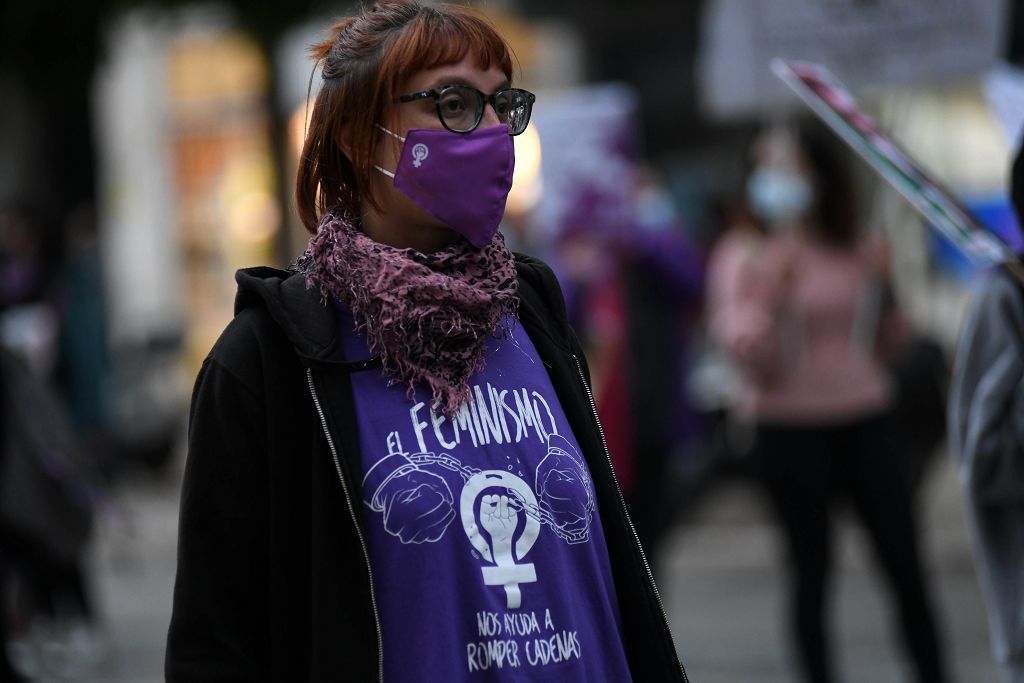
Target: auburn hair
{"points": [[365, 60]]}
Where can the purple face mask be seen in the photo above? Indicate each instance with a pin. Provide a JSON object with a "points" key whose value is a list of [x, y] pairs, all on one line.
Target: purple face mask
{"points": [[461, 179]]}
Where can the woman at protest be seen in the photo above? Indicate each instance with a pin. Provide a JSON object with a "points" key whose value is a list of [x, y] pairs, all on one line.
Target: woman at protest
{"points": [[804, 309], [395, 470]]}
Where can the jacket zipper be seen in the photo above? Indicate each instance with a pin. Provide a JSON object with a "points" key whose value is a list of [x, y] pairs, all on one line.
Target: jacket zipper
{"points": [[355, 522], [622, 503]]}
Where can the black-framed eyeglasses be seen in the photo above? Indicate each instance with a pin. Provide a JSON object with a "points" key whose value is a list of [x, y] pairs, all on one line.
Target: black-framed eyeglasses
{"points": [[460, 108]]}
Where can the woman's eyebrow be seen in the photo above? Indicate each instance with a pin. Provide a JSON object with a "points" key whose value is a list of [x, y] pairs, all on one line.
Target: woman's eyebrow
{"points": [[443, 80]]}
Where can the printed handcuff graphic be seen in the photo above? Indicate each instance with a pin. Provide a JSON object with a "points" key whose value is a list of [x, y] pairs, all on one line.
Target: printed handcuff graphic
{"points": [[501, 515]]}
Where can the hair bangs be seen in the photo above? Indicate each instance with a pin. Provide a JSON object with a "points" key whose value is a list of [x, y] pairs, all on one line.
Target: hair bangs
{"points": [[444, 35]]}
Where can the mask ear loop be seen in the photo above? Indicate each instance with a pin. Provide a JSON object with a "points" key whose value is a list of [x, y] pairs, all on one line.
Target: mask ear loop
{"points": [[394, 135], [397, 137]]}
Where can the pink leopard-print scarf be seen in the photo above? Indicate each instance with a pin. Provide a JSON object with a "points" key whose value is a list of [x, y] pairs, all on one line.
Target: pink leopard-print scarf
{"points": [[428, 316]]}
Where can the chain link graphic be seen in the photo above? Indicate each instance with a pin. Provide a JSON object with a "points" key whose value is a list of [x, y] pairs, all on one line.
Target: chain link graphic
{"points": [[543, 516]]}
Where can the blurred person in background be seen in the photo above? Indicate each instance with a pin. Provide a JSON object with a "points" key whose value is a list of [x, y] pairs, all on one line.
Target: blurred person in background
{"points": [[395, 470], [588, 260], [48, 486], [83, 362], [799, 297], [664, 278], [633, 282], [986, 418]]}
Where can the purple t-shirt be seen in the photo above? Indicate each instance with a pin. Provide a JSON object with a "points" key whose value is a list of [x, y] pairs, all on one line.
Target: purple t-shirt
{"points": [[488, 559]]}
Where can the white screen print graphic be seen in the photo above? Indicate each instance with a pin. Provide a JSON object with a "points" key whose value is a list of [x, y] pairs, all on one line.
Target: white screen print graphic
{"points": [[501, 515], [506, 540], [565, 492], [417, 504]]}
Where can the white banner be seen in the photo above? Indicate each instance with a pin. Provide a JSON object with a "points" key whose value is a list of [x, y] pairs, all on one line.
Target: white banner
{"points": [[879, 42]]}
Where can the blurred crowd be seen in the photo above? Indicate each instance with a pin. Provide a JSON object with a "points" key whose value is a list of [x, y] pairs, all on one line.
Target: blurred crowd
{"points": [[71, 427], [54, 427]]}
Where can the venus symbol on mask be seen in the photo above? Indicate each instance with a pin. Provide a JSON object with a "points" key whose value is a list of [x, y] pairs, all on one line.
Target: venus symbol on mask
{"points": [[419, 153]]}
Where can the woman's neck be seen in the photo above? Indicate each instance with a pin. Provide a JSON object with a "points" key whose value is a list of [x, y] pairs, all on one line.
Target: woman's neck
{"points": [[397, 231]]}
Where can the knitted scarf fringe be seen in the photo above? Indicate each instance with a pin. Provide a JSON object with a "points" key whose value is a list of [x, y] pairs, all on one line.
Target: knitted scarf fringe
{"points": [[427, 316]]}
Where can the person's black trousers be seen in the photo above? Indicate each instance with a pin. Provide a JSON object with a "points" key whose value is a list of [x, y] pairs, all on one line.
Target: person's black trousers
{"points": [[806, 472]]}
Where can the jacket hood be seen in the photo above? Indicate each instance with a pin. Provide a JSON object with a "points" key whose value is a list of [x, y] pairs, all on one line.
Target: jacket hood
{"points": [[303, 314], [310, 323]]}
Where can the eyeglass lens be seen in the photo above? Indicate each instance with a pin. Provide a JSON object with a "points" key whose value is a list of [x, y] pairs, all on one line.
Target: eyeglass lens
{"points": [[461, 108]]}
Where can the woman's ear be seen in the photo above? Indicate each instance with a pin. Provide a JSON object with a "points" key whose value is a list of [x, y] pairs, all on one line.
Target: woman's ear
{"points": [[343, 140]]}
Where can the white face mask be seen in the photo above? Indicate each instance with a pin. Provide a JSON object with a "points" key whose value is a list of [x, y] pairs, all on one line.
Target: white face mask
{"points": [[777, 195]]}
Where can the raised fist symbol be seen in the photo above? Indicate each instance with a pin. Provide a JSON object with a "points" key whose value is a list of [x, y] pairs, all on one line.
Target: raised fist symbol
{"points": [[418, 505], [498, 517]]}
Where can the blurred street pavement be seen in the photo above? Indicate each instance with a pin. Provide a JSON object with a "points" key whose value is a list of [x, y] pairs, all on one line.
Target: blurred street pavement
{"points": [[719, 575]]}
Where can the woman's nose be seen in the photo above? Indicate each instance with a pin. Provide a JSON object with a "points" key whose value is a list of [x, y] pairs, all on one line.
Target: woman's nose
{"points": [[490, 117]]}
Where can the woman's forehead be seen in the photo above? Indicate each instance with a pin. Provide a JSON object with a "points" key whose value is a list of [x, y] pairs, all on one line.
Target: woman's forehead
{"points": [[467, 71]]}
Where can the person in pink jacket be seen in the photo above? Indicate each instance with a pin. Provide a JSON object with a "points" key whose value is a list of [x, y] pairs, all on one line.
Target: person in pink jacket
{"points": [[802, 306]]}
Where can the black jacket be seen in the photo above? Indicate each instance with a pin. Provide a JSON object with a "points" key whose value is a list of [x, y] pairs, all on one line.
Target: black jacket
{"points": [[273, 578]]}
